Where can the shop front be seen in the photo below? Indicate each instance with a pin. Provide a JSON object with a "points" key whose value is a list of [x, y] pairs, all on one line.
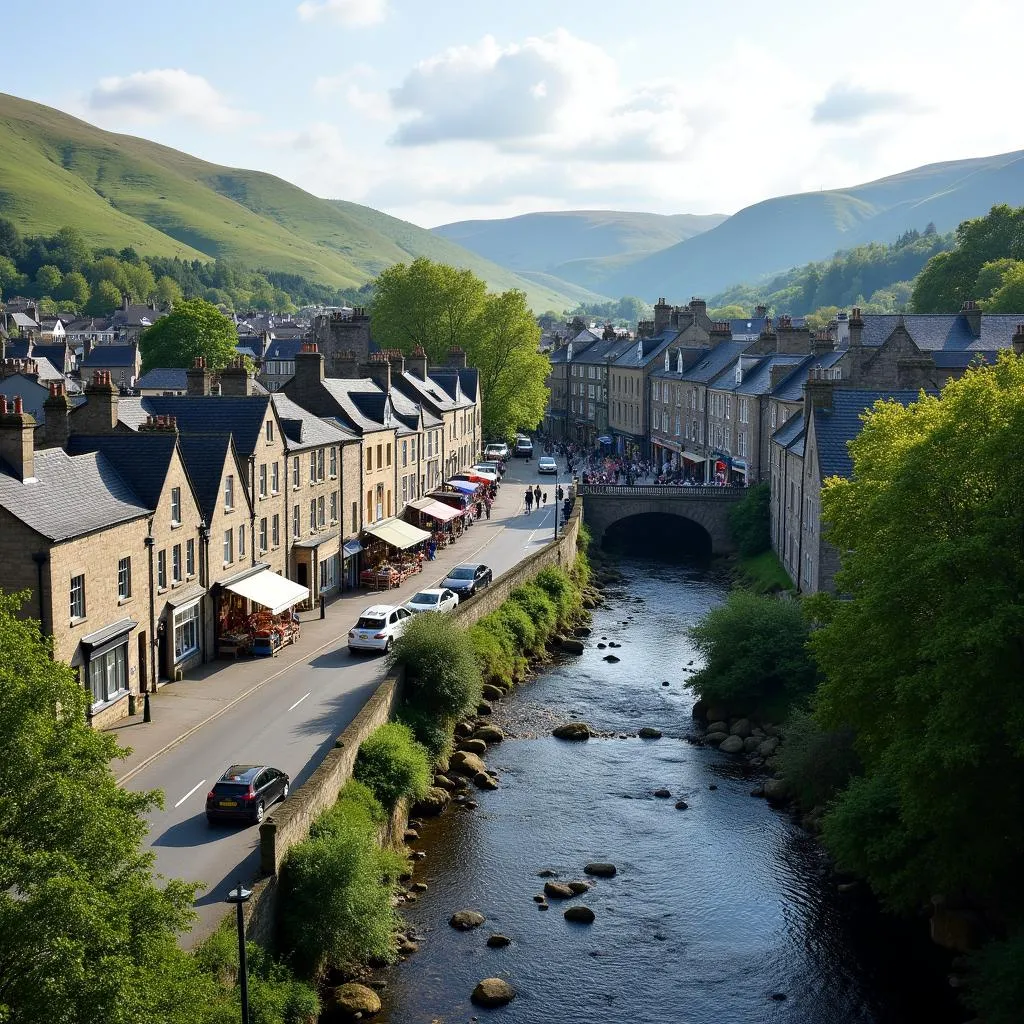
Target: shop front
{"points": [[392, 552], [694, 465], [254, 612], [318, 565], [107, 668], [438, 518], [350, 564], [183, 631]]}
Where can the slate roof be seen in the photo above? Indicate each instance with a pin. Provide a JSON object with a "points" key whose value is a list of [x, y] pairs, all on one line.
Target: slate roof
{"points": [[651, 348], [752, 325], [71, 495], [791, 387], [958, 359], [56, 354], [758, 379], [17, 348], [469, 381], [602, 350], [138, 314], [423, 390], [717, 359], [142, 460], [242, 415], [205, 455], [163, 378], [110, 355], [243, 350], [303, 429], [450, 380], [360, 403], [283, 348], [936, 331], [23, 320], [792, 434]]}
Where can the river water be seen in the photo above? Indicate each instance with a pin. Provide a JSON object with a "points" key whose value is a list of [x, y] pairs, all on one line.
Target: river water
{"points": [[723, 913]]}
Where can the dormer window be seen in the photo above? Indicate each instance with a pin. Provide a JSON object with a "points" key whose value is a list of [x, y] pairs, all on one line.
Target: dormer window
{"points": [[668, 358]]}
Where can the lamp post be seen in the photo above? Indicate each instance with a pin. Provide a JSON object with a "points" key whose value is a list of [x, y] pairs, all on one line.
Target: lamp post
{"points": [[240, 896]]}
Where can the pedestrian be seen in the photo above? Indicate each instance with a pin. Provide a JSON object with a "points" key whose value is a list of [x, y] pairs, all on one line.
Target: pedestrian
{"points": [[544, 498], [560, 494], [529, 500], [536, 495], [487, 508]]}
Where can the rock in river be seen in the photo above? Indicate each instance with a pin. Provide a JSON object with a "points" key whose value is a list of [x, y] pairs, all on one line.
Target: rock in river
{"points": [[466, 920], [484, 780], [572, 646], [474, 746], [662, 794], [601, 870], [558, 891], [497, 941], [433, 803], [493, 992], [352, 999], [649, 733], [581, 915], [714, 738], [491, 692], [572, 731], [577, 888], [467, 764], [611, 659], [489, 734], [731, 745]]}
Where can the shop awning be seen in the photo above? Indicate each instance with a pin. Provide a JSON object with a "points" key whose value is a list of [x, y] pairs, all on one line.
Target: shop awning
{"points": [[108, 637], [398, 534], [463, 485], [187, 596], [437, 510], [693, 457], [318, 539], [269, 589], [352, 548]]}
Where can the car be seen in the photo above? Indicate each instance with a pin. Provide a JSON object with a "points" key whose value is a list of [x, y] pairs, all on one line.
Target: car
{"points": [[245, 792], [467, 579], [498, 468], [496, 450], [546, 464], [492, 475], [378, 627], [437, 600], [524, 448]]}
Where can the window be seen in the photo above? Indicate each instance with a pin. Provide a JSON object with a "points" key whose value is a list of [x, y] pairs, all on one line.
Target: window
{"points": [[275, 480], [229, 493], [312, 516], [296, 471], [175, 506], [334, 463], [334, 506], [108, 674], [275, 531], [263, 479], [355, 517], [263, 534], [379, 504], [124, 579], [190, 557], [412, 450], [380, 456], [296, 521], [186, 632], [405, 453], [176, 564], [161, 570], [369, 459], [369, 506], [229, 546], [320, 512], [389, 455], [241, 542], [320, 464], [78, 597], [312, 467], [270, 431], [405, 489], [775, 414]]}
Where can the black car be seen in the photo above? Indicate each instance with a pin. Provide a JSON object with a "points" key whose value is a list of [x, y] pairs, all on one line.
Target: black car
{"points": [[245, 791], [466, 580]]}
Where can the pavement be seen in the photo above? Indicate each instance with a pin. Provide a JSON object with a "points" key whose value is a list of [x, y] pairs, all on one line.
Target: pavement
{"points": [[287, 710]]}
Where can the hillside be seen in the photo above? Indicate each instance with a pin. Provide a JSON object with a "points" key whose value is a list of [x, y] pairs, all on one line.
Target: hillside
{"points": [[777, 234], [118, 190]]}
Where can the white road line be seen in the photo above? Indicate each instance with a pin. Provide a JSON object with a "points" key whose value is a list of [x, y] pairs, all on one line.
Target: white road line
{"points": [[298, 702], [190, 792]]}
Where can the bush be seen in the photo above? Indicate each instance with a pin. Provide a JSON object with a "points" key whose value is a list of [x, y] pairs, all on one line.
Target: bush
{"points": [[580, 572], [539, 609], [512, 619], [495, 650], [996, 990], [816, 763], [442, 674], [755, 654], [562, 591], [393, 765], [434, 733], [749, 521], [337, 888]]}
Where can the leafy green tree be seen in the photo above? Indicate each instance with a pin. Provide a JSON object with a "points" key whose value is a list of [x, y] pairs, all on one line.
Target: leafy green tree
{"points": [[1009, 296], [74, 289], [193, 328], [749, 521], [168, 292], [12, 245], [991, 276], [140, 281], [85, 934], [104, 300], [922, 656], [69, 250], [10, 278], [731, 312], [47, 306], [48, 280], [393, 765], [109, 268]]}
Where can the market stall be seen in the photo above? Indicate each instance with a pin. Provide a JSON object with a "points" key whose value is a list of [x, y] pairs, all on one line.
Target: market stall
{"points": [[392, 552], [254, 614], [442, 521]]}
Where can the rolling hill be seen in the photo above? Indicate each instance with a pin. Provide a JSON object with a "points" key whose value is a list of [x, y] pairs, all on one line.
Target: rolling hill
{"points": [[119, 190]]}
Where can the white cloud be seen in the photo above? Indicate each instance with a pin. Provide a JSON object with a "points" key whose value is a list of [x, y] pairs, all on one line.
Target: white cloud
{"points": [[163, 93], [344, 12], [849, 104]]}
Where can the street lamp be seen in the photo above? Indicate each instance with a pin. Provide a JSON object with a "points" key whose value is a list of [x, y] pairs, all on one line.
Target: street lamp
{"points": [[555, 496], [240, 897]]}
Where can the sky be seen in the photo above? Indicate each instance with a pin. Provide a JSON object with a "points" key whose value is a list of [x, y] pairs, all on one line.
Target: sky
{"points": [[461, 109]]}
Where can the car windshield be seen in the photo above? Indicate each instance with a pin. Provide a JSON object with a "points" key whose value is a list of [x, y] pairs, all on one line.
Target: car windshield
{"points": [[463, 572], [366, 622], [230, 789], [426, 599]]}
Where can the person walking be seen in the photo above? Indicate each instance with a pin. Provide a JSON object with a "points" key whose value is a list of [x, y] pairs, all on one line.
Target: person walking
{"points": [[529, 500], [560, 494], [536, 495]]}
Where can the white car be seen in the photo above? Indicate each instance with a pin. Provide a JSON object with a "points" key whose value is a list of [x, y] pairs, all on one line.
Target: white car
{"points": [[496, 451], [547, 465], [443, 600], [378, 627]]}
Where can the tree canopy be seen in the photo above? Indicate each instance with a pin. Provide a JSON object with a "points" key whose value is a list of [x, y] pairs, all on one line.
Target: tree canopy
{"points": [[922, 657], [193, 328], [440, 308]]}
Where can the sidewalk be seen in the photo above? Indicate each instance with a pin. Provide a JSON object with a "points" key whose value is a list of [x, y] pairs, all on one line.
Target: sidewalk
{"points": [[180, 708]]}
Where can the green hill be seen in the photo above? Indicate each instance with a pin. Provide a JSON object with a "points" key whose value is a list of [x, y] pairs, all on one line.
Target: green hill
{"points": [[118, 190]]}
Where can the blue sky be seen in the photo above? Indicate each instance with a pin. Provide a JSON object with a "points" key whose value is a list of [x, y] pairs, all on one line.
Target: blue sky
{"points": [[477, 108]]}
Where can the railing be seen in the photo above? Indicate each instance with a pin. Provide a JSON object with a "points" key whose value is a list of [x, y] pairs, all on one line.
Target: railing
{"points": [[659, 491]]}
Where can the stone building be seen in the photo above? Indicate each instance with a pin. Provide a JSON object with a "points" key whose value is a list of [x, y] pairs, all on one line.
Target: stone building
{"points": [[341, 336]]}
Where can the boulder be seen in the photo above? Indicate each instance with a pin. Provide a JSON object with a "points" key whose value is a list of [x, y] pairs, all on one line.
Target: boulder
{"points": [[649, 733], [719, 727], [352, 998], [731, 745], [406, 945], [473, 746], [582, 631], [466, 920], [714, 738], [443, 782], [489, 734], [665, 683], [662, 794], [490, 692], [768, 746], [538, 899], [497, 941], [776, 789], [741, 727], [600, 869], [699, 709], [681, 805], [611, 659], [579, 914], [483, 780], [493, 992], [612, 643], [467, 764], [463, 730], [577, 888], [434, 801], [558, 891], [750, 744], [572, 731], [418, 887], [544, 906], [410, 835], [484, 708], [717, 713], [547, 873], [572, 646]]}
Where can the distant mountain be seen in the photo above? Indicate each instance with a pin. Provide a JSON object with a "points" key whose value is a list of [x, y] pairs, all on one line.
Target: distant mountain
{"points": [[119, 190], [557, 243], [777, 234]]}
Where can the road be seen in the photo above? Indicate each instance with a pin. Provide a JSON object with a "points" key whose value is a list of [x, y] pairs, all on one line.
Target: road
{"points": [[292, 722]]}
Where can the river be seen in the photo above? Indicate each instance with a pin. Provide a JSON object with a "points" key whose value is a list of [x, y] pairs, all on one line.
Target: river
{"points": [[723, 913]]}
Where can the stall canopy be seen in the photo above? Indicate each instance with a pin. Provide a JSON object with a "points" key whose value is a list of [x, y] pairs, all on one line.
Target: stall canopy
{"points": [[398, 534], [480, 478], [463, 485], [269, 589], [693, 457], [435, 509]]}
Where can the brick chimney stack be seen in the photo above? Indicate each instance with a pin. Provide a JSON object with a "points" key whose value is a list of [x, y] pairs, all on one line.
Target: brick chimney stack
{"points": [[56, 408], [397, 361], [822, 343], [198, 378], [159, 423], [817, 392], [17, 438], [418, 362], [236, 378], [346, 365], [378, 369], [457, 358], [1018, 340], [972, 311], [99, 414], [790, 339], [856, 323], [662, 315]]}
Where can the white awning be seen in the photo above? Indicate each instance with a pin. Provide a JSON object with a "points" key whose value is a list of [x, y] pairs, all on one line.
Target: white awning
{"points": [[398, 533], [269, 589]]}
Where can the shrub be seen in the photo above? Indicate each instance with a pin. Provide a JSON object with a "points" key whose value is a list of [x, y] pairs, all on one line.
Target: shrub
{"points": [[434, 733], [580, 572], [442, 674], [393, 765], [749, 521], [539, 608], [817, 763], [996, 990], [337, 888], [563, 592], [755, 654], [516, 622], [495, 650]]}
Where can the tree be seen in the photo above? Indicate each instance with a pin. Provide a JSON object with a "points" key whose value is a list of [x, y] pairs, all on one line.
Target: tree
{"points": [[10, 279], [106, 297], [749, 521], [48, 280], [923, 656], [193, 328], [168, 292], [991, 276], [1009, 296], [140, 281], [69, 250], [74, 289], [11, 244], [85, 935]]}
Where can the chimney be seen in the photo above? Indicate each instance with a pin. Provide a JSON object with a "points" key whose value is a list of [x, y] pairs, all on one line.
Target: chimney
{"points": [[99, 414], [822, 343], [86, 348], [777, 373], [56, 428], [378, 369], [842, 330], [397, 360], [790, 339], [236, 379], [1018, 340], [346, 365], [856, 324], [817, 393], [721, 330], [698, 307], [457, 358], [159, 423], [197, 378], [972, 311], [418, 362], [17, 438], [662, 315], [309, 372]]}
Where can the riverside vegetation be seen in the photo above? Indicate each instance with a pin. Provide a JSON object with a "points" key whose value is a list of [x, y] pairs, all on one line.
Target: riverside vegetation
{"points": [[900, 707]]}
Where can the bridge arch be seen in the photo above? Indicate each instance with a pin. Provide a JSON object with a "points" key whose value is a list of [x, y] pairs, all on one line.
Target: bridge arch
{"points": [[666, 535]]}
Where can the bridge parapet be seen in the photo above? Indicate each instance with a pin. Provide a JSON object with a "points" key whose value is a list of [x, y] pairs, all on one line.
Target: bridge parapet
{"points": [[660, 491]]}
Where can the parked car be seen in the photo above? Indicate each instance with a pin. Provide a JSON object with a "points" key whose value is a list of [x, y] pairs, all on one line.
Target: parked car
{"points": [[378, 627], [245, 791], [546, 464], [492, 467], [496, 450], [524, 448], [467, 579], [438, 600]]}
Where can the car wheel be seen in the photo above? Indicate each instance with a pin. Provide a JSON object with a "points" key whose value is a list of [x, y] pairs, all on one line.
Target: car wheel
{"points": [[388, 644], [285, 791], [260, 811]]}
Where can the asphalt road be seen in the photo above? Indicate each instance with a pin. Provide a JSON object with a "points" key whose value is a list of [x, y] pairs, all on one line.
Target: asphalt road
{"points": [[293, 721]]}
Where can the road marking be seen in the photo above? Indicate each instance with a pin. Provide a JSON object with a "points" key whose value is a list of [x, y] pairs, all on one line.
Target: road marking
{"points": [[190, 792], [298, 702]]}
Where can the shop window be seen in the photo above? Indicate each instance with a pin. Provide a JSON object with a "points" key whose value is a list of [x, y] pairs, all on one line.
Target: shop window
{"points": [[108, 674], [186, 632]]}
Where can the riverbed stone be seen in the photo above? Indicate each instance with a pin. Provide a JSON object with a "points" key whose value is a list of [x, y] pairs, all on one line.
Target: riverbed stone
{"points": [[582, 632], [716, 713], [463, 730], [484, 780], [751, 743], [418, 887], [776, 789], [611, 659], [497, 940], [538, 899], [493, 992], [731, 745], [352, 998], [601, 647], [741, 727], [489, 734], [484, 708], [572, 731], [466, 920], [410, 835], [719, 726], [443, 782], [714, 738], [547, 873], [468, 764], [579, 914], [558, 891], [473, 746], [491, 692], [768, 746], [662, 794], [681, 805], [572, 646], [600, 869], [650, 733], [433, 802]]}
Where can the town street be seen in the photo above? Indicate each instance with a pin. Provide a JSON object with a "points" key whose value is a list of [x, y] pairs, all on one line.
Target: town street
{"points": [[292, 720]]}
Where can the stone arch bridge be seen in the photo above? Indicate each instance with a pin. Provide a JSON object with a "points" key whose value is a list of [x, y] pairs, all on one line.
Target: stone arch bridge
{"points": [[604, 505]]}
